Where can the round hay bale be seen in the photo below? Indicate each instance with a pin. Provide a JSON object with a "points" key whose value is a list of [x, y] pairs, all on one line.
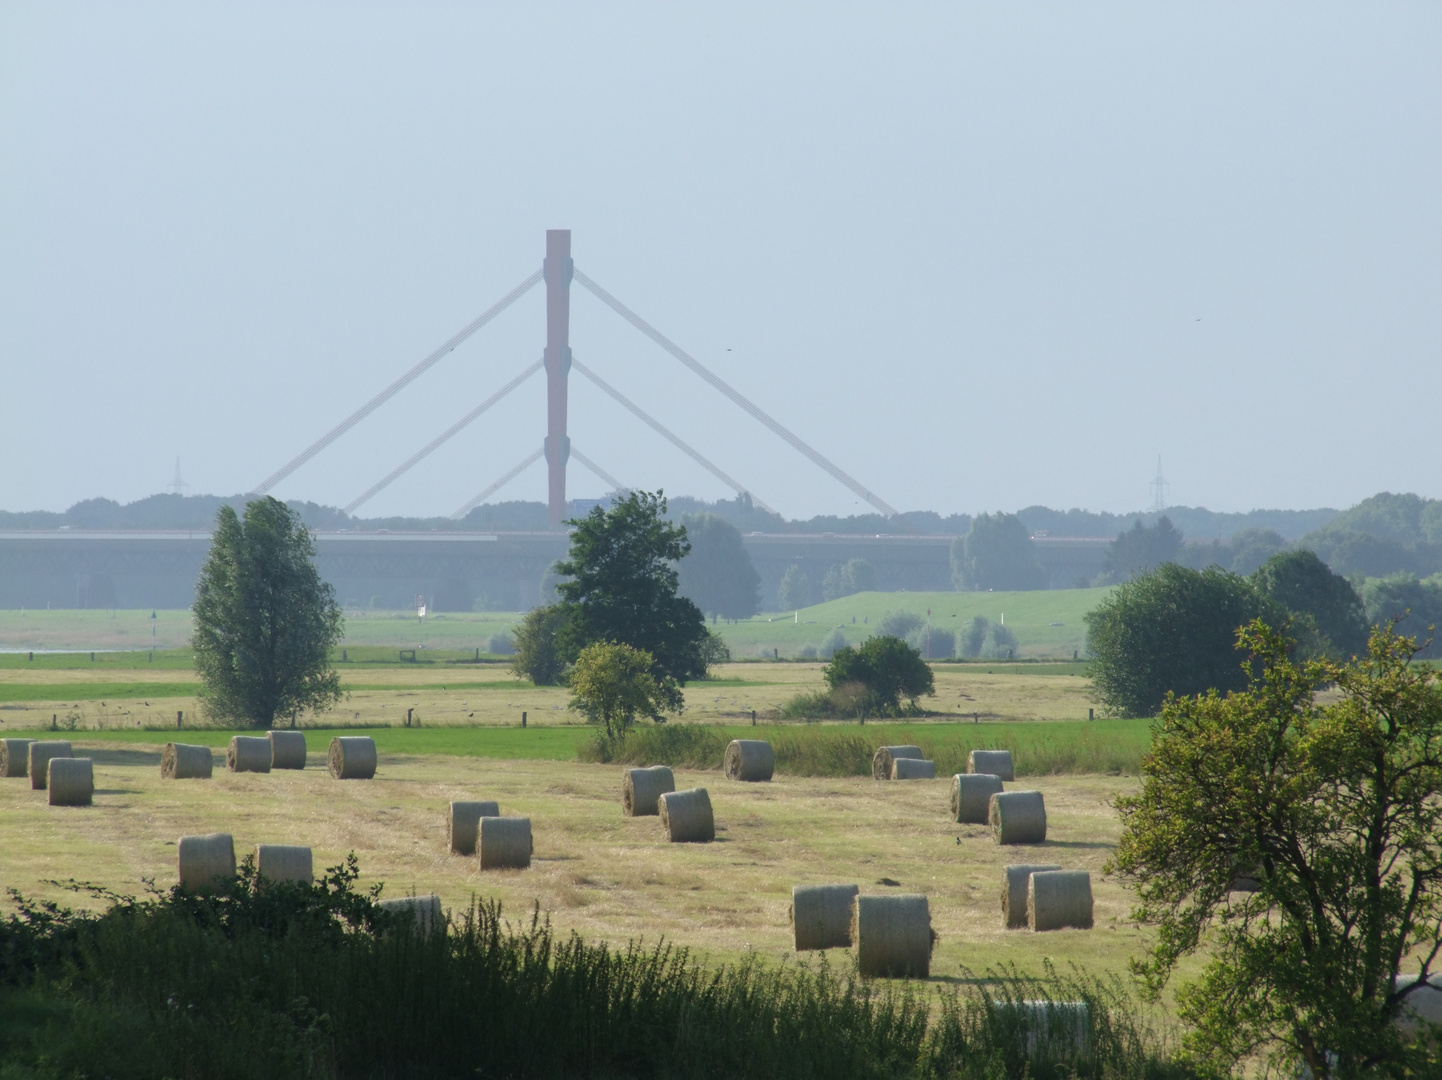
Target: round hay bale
{"points": [[893, 936], [1055, 1030], [71, 781], [1017, 817], [287, 749], [248, 753], [423, 913], [504, 843], [996, 762], [286, 864], [182, 761], [885, 755], [14, 757], [971, 797], [352, 757], [686, 816], [641, 790], [1059, 899], [910, 768], [464, 820], [1014, 882], [1421, 1006], [751, 760], [206, 862], [821, 916], [38, 756]]}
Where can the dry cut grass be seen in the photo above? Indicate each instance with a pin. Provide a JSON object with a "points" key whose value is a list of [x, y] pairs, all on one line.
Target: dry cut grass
{"points": [[595, 871]]}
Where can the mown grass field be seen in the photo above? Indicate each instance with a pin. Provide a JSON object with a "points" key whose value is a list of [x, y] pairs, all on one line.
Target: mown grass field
{"points": [[610, 877]]}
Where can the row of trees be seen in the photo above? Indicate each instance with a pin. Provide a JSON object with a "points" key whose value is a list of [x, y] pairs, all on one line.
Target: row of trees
{"points": [[1173, 629]]}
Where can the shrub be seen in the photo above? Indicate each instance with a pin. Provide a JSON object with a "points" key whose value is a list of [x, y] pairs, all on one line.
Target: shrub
{"points": [[887, 667], [900, 624], [691, 746], [986, 640], [833, 641], [500, 645]]}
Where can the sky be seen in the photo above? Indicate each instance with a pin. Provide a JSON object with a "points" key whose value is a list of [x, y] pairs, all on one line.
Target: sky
{"points": [[981, 256]]}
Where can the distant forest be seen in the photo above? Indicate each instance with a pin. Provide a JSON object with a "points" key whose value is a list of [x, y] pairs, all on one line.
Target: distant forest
{"points": [[1385, 535], [198, 512]]}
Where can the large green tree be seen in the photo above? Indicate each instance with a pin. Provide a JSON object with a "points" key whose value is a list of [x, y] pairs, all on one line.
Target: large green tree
{"points": [[998, 553], [621, 586], [265, 622], [1303, 584], [1171, 630], [718, 574], [1142, 547], [1333, 813], [886, 667]]}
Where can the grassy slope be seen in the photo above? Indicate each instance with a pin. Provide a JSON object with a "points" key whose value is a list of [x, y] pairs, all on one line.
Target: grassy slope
{"points": [[376, 634], [1028, 614]]}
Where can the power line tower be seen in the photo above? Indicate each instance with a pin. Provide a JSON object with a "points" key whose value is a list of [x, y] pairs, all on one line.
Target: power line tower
{"points": [[1159, 489], [179, 486]]}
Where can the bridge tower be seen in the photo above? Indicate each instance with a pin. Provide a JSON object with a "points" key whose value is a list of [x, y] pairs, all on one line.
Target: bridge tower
{"points": [[557, 269]]}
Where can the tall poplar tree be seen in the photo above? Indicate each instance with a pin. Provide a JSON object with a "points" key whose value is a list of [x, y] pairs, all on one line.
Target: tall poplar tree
{"points": [[265, 622]]}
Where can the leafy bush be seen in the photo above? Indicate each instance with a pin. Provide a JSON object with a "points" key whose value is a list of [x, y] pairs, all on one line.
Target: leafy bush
{"points": [[833, 641], [500, 645], [986, 640], [887, 667], [690, 746], [901, 624]]}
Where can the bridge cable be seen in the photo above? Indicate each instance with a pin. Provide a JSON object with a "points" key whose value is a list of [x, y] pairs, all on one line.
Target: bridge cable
{"points": [[502, 482], [616, 485], [675, 441], [435, 443], [715, 380], [394, 388]]}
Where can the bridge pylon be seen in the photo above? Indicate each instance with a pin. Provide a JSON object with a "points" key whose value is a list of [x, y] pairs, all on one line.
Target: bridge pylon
{"points": [[558, 270]]}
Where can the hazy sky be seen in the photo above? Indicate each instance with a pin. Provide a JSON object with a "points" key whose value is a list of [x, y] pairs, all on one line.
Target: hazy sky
{"points": [[982, 256]]}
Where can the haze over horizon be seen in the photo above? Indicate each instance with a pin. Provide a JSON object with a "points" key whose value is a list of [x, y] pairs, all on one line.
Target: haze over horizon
{"points": [[981, 258]]}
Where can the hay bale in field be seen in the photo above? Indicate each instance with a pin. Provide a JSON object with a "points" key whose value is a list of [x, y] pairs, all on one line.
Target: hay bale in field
{"points": [[1014, 882], [206, 862], [971, 797], [821, 915], [751, 760], [71, 781], [885, 755], [908, 768], [38, 756], [504, 843], [286, 864], [1017, 817], [182, 761], [424, 912], [464, 819], [287, 749], [686, 816], [14, 757], [1059, 900], [996, 762], [1055, 1030], [352, 757], [1421, 1006], [248, 753], [641, 790], [892, 935]]}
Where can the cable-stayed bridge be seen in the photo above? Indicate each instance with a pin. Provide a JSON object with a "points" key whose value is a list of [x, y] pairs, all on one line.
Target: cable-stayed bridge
{"points": [[558, 272]]}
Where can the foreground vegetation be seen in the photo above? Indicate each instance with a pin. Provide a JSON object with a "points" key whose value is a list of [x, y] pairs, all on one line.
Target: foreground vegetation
{"points": [[268, 981]]}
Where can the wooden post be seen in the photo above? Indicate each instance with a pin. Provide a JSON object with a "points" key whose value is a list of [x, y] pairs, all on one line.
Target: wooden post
{"points": [[523, 719], [408, 717], [179, 716]]}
